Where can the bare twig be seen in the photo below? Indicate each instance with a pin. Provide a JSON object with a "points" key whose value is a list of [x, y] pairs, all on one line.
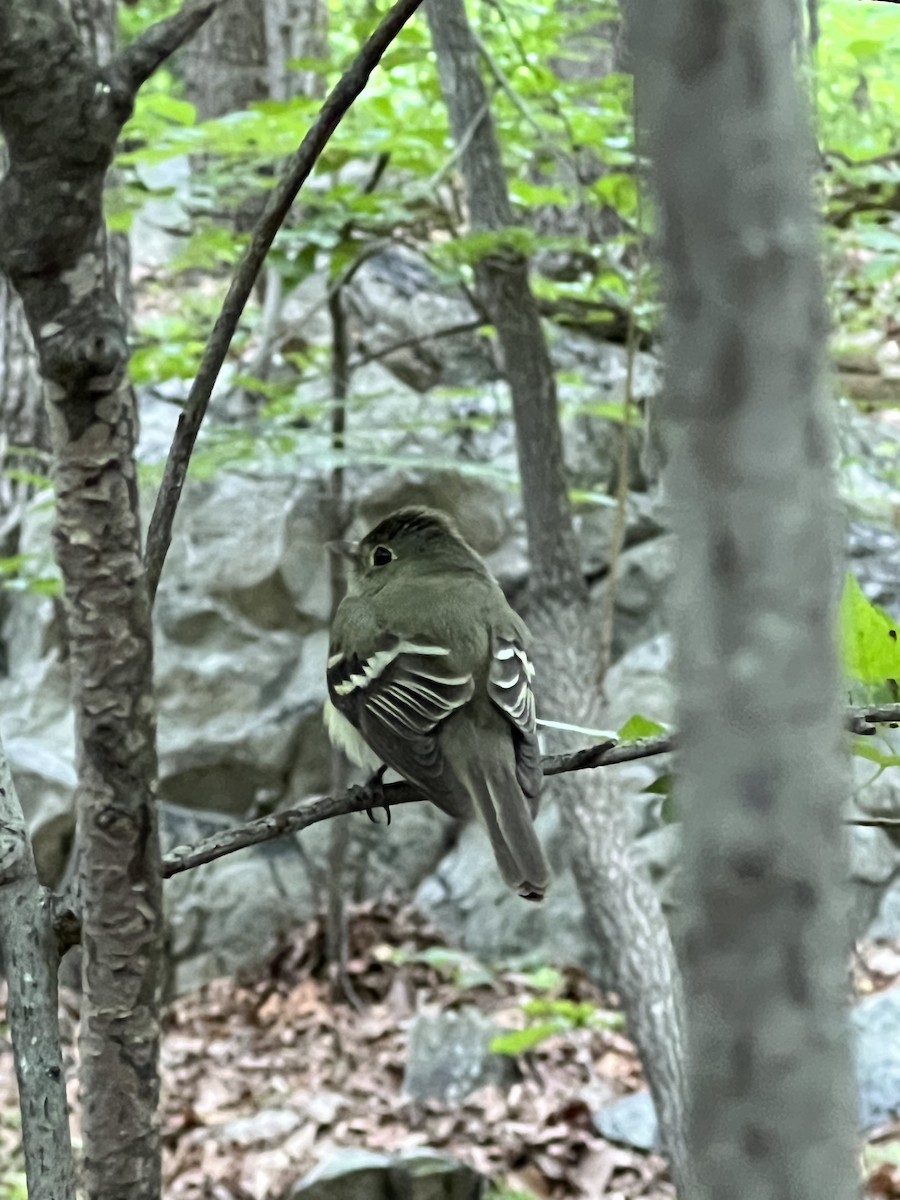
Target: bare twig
{"points": [[137, 62], [360, 799], [420, 339], [280, 200]]}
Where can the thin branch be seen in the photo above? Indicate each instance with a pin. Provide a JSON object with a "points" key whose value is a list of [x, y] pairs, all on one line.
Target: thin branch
{"points": [[137, 62], [363, 799], [864, 719], [347, 89], [367, 356]]}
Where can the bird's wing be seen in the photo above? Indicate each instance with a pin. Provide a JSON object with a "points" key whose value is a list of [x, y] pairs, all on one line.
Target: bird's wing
{"points": [[396, 697], [509, 686]]}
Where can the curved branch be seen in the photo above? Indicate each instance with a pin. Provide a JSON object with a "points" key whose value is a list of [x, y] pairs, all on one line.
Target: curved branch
{"points": [[347, 89]]}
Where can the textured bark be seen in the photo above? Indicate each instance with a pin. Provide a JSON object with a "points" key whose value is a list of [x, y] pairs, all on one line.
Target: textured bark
{"points": [[620, 903], [23, 423], [28, 943], [503, 284], [23, 418], [60, 116], [761, 771]]}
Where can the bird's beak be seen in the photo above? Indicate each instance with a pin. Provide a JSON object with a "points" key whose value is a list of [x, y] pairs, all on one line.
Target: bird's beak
{"points": [[349, 550]]}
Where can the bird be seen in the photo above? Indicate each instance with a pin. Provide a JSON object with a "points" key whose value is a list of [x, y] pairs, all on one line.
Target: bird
{"points": [[428, 673]]}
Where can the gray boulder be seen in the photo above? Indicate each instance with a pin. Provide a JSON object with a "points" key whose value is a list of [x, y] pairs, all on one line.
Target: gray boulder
{"points": [[355, 1174], [450, 1057]]}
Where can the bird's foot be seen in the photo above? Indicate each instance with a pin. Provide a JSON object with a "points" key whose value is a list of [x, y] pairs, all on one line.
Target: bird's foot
{"points": [[375, 789]]}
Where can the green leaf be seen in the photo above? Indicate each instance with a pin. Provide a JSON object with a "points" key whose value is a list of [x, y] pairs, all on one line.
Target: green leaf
{"points": [[543, 979], [865, 747], [521, 1040], [20, 475], [669, 814], [640, 727], [870, 641], [661, 785], [573, 1013], [865, 49], [613, 412], [170, 108]]}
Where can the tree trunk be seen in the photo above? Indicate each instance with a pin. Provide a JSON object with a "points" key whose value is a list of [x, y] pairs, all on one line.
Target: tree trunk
{"points": [[23, 422], [60, 122], [243, 54], [620, 903], [761, 769], [30, 963]]}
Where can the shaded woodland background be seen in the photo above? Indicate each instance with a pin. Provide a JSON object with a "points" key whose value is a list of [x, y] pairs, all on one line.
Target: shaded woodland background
{"points": [[369, 370]]}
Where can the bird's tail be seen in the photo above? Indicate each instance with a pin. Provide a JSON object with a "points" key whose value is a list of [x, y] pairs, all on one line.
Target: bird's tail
{"points": [[506, 813]]}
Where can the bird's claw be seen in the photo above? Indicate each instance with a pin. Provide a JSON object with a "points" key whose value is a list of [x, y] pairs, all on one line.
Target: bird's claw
{"points": [[375, 790]]}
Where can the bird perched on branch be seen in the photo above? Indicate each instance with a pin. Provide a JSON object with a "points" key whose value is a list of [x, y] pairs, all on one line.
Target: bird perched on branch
{"points": [[428, 673]]}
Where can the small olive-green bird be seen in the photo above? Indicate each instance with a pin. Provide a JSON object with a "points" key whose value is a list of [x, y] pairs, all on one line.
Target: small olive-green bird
{"points": [[428, 673]]}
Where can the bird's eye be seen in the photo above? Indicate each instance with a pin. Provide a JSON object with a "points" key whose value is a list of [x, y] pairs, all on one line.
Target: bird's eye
{"points": [[381, 556]]}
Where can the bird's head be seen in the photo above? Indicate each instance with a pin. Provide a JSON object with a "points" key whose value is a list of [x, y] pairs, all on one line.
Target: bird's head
{"points": [[410, 542]]}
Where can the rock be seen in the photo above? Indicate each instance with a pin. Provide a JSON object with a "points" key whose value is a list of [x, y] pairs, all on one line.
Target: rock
{"points": [[449, 1056], [162, 224], [595, 377], [876, 1021], [869, 449], [468, 902], [396, 297], [885, 922], [630, 1121], [643, 582], [347, 1174], [876, 1025], [430, 1175], [280, 884], [478, 506], [269, 1125], [232, 914], [45, 782], [354, 1174], [641, 682], [875, 561]]}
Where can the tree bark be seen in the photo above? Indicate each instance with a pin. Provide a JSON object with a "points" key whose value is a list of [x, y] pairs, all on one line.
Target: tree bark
{"points": [[23, 423], [30, 961], [620, 903], [60, 116], [761, 768], [243, 54]]}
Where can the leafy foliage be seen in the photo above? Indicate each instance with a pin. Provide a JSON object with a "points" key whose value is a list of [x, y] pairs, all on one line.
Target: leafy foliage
{"points": [[638, 726], [870, 643], [566, 141], [548, 1017]]}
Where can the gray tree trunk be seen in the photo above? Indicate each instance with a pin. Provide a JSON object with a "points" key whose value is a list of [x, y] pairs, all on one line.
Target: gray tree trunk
{"points": [[30, 962], [60, 124], [761, 771], [242, 54], [23, 423], [620, 903]]}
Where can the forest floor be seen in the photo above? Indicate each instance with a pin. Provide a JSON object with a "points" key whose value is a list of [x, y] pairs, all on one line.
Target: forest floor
{"points": [[265, 1077]]}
